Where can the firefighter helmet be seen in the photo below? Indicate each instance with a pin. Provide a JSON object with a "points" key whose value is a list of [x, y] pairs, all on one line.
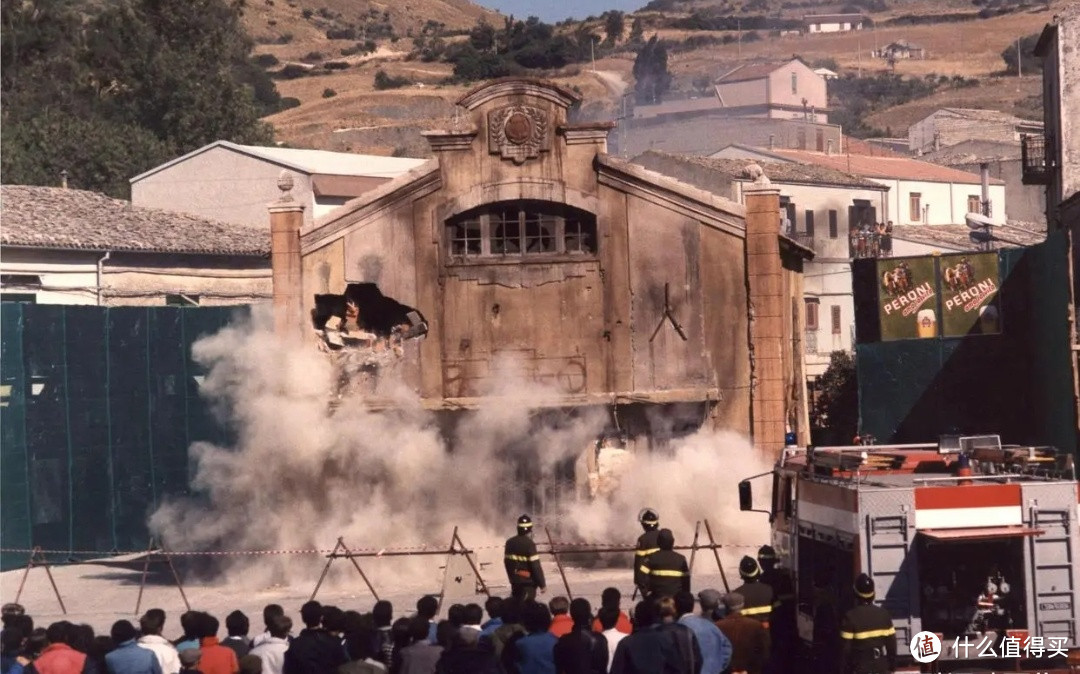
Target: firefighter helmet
{"points": [[766, 553], [864, 586], [749, 568], [524, 524], [648, 518]]}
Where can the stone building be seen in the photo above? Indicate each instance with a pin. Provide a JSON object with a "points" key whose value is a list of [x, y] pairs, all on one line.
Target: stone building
{"points": [[821, 206], [608, 284], [950, 126]]}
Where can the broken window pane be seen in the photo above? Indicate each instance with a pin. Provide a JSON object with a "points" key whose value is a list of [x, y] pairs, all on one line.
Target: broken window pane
{"points": [[465, 238], [506, 232], [580, 235], [540, 232], [523, 228]]}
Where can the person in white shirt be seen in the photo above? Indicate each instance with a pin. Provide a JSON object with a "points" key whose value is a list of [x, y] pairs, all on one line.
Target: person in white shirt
{"points": [[269, 611], [608, 617], [272, 649], [473, 616], [152, 623]]}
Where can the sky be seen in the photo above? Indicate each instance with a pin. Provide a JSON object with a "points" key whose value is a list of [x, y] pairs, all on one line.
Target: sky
{"points": [[557, 10]]}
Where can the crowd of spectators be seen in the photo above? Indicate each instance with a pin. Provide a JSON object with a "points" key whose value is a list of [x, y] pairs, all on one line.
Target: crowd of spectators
{"points": [[505, 636]]}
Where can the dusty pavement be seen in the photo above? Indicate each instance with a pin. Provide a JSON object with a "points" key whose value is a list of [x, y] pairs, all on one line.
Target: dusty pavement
{"points": [[99, 595]]}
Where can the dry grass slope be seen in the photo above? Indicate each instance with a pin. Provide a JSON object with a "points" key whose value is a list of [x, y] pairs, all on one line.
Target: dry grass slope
{"points": [[359, 118]]}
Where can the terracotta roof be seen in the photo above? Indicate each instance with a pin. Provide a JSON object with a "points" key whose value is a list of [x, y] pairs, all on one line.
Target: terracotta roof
{"points": [[957, 237], [859, 146], [778, 172], [55, 217], [901, 168], [750, 71]]}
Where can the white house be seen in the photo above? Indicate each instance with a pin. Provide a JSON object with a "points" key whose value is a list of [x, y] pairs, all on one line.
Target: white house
{"points": [[67, 246], [789, 90], [233, 183], [821, 205], [920, 193], [833, 23]]}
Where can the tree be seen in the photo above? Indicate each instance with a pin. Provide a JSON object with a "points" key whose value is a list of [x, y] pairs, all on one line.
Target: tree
{"points": [[1026, 61], [142, 80], [482, 36], [637, 31], [836, 407], [651, 76], [614, 24]]}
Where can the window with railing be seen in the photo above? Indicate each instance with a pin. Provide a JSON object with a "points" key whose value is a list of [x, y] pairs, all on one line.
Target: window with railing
{"points": [[521, 229], [1035, 160]]}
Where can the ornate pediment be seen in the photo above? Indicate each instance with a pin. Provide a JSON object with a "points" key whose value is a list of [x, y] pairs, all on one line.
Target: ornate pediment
{"points": [[519, 132]]}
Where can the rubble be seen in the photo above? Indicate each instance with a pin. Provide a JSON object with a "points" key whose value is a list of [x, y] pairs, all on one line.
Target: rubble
{"points": [[359, 351]]}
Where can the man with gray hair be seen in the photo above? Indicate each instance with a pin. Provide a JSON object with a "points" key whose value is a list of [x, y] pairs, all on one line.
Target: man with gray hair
{"points": [[749, 638]]}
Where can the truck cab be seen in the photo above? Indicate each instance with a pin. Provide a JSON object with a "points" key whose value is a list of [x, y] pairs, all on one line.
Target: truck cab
{"points": [[966, 538]]}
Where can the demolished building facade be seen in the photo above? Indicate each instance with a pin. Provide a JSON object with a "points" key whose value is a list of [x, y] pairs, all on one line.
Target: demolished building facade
{"points": [[608, 285]]}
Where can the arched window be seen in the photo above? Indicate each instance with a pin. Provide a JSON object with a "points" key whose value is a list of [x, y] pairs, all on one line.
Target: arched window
{"points": [[521, 229]]}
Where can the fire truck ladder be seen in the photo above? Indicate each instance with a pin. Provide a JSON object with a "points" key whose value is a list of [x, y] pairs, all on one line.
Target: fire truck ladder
{"points": [[1052, 584], [888, 546]]}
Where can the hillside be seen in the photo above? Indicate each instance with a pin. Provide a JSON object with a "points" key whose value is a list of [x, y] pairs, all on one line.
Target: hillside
{"points": [[341, 109], [307, 21]]}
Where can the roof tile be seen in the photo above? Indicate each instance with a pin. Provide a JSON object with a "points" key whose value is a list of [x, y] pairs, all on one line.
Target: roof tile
{"points": [[901, 168], [55, 217], [780, 172]]}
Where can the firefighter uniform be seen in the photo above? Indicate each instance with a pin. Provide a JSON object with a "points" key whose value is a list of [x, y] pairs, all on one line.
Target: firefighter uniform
{"points": [[665, 571], [758, 595], [523, 563], [867, 634], [783, 627], [646, 545]]}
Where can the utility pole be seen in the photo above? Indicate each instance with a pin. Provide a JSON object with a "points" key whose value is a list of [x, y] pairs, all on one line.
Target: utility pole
{"points": [[739, 25], [592, 51], [858, 53], [1019, 60]]}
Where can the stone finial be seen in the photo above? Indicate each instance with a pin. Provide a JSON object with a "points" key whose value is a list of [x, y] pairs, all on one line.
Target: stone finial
{"points": [[285, 183], [757, 174]]}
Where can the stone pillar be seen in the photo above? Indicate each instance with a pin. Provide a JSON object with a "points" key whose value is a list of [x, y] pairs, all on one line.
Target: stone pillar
{"points": [[766, 291], [286, 219]]}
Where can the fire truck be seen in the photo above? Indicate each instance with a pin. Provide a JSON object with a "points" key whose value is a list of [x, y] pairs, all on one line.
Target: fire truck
{"points": [[967, 538]]}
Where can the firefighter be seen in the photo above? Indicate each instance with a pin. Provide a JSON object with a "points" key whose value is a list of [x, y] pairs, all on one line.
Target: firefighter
{"points": [[666, 571], [523, 563], [867, 634], [646, 545], [758, 595], [784, 631]]}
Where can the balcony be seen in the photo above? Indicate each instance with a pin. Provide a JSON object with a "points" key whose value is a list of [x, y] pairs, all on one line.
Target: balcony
{"points": [[1036, 159], [869, 244]]}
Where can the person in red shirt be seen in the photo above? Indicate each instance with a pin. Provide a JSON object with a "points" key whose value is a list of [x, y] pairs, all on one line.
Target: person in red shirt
{"points": [[216, 659], [60, 658], [610, 598], [561, 623]]}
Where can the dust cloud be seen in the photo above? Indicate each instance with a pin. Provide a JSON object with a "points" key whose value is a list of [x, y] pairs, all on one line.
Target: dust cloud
{"points": [[300, 474]]}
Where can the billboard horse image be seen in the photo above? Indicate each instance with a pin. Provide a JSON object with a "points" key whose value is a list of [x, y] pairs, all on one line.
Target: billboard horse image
{"points": [[897, 281]]}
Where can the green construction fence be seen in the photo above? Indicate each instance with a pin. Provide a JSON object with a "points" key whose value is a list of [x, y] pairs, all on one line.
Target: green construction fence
{"points": [[99, 406]]}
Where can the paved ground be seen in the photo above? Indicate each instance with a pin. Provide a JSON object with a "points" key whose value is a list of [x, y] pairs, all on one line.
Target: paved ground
{"points": [[100, 594]]}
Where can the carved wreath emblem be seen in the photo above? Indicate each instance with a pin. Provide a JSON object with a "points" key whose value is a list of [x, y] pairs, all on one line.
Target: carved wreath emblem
{"points": [[518, 132]]}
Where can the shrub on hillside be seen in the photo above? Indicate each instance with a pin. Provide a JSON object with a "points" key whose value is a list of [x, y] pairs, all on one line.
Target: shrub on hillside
{"points": [[291, 72], [328, 93], [385, 81], [265, 60]]}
